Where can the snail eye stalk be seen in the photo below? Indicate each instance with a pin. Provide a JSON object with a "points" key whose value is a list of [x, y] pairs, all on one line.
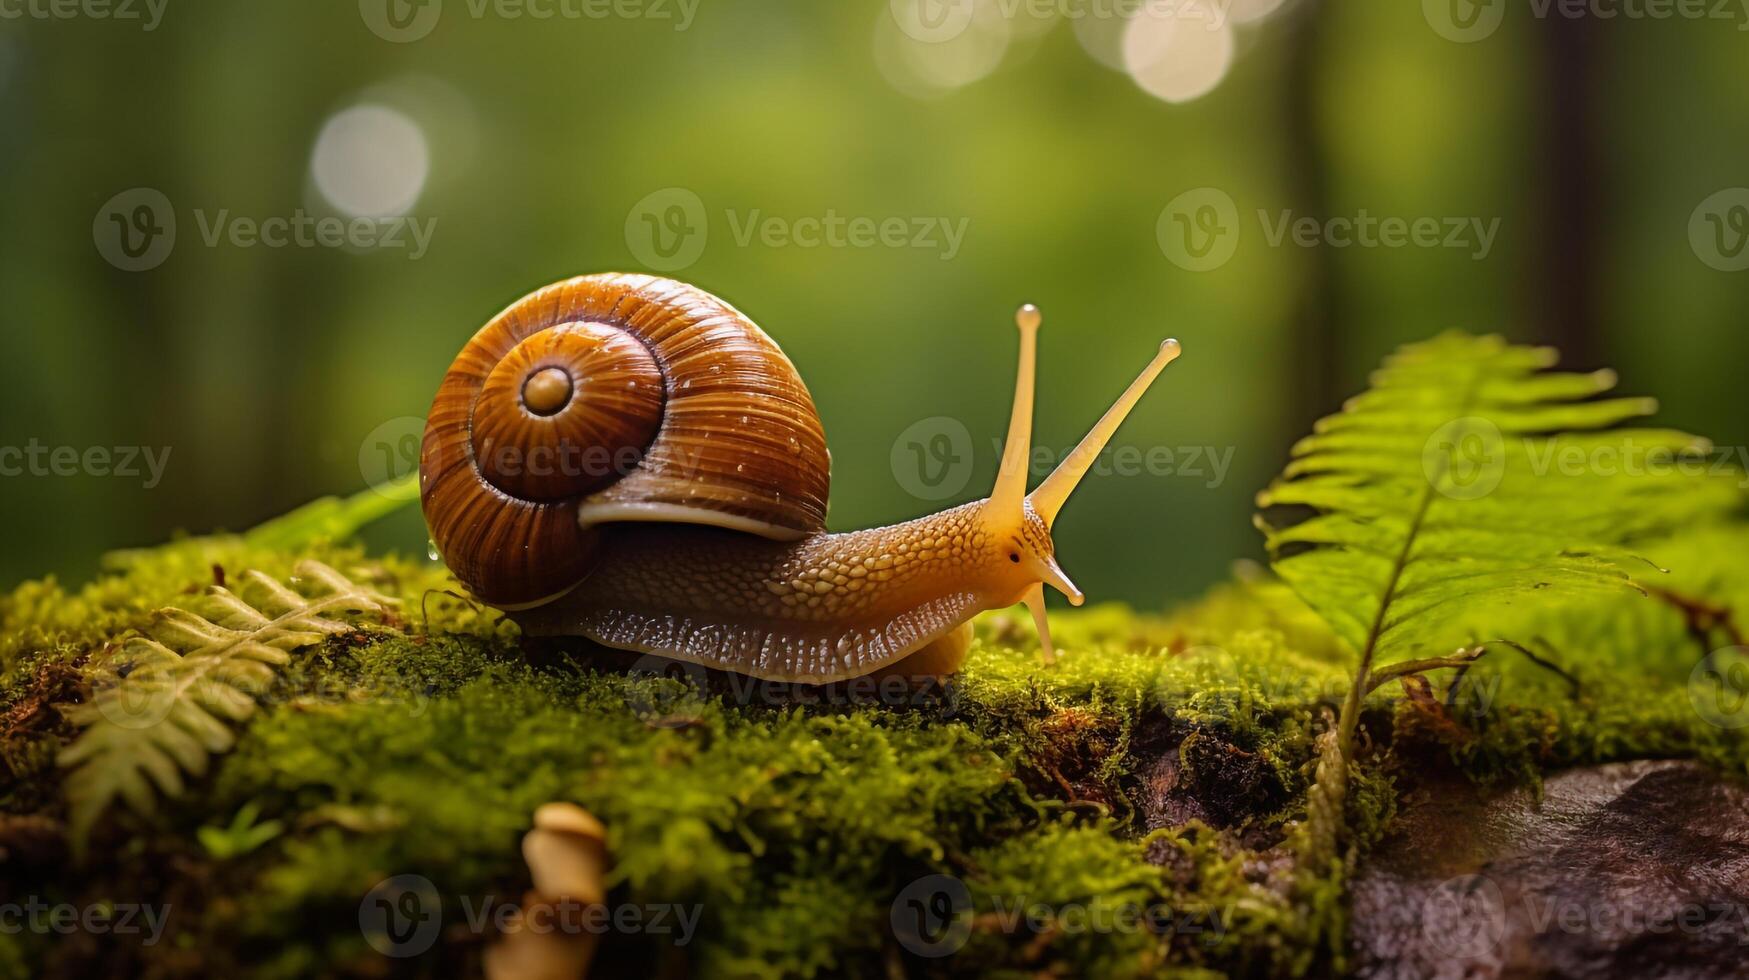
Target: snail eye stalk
{"points": [[1010, 489], [1009, 496], [1050, 496]]}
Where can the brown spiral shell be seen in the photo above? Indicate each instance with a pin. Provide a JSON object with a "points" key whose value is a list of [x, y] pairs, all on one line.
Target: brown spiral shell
{"points": [[612, 398]]}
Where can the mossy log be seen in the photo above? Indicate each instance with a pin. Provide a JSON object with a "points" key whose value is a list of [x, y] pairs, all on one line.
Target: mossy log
{"points": [[1135, 808]]}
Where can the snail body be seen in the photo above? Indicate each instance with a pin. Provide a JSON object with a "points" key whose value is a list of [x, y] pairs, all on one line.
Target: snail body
{"points": [[630, 459]]}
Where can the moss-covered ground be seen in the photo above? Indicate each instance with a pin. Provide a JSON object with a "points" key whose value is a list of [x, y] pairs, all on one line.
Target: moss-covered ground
{"points": [[1131, 809]]}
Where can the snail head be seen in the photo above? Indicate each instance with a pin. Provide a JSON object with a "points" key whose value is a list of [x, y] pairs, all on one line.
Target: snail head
{"points": [[1020, 522]]}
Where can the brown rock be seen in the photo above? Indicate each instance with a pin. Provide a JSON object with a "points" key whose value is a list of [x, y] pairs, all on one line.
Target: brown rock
{"points": [[1636, 869]]}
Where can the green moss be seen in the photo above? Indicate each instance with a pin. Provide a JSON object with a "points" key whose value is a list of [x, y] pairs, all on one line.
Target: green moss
{"points": [[1160, 767]]}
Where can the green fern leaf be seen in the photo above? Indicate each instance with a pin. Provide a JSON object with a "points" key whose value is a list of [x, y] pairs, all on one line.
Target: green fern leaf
{"points": [[1470, 475], [1467, 477], [162, 705]]}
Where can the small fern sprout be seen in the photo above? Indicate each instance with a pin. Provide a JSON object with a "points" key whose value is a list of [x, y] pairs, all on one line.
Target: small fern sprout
{"points": [[162, 703]]}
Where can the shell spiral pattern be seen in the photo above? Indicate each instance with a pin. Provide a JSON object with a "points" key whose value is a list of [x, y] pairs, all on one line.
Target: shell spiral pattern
{"points": [[613, 398]]}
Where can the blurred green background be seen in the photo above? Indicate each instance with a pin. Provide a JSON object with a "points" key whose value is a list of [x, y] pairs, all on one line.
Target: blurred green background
{"points": [[526, 147]]}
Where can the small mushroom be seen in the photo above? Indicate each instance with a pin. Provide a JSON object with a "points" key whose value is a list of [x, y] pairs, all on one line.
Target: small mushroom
{"points": [[530, 954], [566, 852]]}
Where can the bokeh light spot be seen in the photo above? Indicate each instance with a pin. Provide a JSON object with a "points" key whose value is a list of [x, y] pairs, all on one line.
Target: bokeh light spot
{"points": [[1177, 51], [370, 161], [949, 59], [1099, 29]]}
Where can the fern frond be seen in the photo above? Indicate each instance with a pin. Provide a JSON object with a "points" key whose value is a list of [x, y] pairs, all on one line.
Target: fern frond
{"points": [[1468, 475], [161, 706]]}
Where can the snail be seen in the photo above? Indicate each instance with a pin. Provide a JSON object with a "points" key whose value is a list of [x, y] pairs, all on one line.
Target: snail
{"points": [[630, 459]]}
